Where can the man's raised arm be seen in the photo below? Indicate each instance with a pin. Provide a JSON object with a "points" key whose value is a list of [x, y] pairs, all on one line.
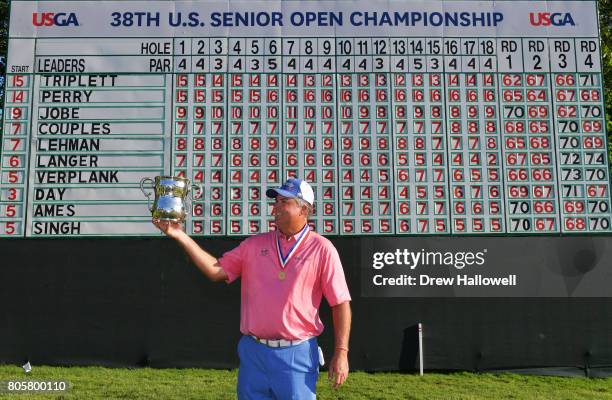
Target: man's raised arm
{"points": [[203, 260]]}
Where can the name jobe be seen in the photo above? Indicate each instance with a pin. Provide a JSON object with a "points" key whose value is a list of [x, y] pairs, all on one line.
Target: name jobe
{"points": [[58, 113]]}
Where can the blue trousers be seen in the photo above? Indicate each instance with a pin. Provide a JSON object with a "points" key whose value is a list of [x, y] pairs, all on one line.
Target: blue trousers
{"points": [[277, 373]]}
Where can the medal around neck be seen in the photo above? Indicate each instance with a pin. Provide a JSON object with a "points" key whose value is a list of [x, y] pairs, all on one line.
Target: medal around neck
{"points": [[284, 259], [172, 196]]}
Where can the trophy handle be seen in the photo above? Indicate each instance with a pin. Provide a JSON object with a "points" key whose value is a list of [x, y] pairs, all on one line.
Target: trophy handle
{"points": [[148, 195], [190, 196], [198, 189]]}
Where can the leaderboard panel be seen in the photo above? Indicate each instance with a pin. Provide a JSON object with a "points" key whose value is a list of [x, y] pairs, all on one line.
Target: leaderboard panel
{"points": [[459, 118]]}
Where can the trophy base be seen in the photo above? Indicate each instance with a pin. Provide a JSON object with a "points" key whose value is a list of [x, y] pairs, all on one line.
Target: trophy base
{"points": [[179, 220]]}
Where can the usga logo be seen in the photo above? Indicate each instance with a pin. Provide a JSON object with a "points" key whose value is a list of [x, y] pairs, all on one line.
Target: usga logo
{"points": [[53, 19], [548, 19]]}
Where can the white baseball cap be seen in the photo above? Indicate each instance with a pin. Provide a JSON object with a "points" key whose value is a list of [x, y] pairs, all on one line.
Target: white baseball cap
{"points": [[294, 188]]}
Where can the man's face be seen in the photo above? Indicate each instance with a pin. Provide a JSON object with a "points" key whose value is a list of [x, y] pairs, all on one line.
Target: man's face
{"points": [[286, 211]]}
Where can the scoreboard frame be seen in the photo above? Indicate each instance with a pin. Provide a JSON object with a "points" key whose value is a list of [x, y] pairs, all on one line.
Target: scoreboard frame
{"points": [[449, 190]]}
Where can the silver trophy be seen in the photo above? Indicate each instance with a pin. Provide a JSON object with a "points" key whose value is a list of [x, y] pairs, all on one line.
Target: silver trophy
{"points": [[172, 195]]}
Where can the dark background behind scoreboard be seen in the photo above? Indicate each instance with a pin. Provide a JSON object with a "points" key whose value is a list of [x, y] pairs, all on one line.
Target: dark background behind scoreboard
{"points": [[140, 302]]}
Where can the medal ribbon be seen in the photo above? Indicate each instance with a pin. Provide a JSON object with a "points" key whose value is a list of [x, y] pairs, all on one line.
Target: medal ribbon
{"points": [[285, 259]]}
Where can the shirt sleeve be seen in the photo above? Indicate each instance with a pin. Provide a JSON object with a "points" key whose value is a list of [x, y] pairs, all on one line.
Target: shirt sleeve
{"points": [[232, 262], [333, 281]]}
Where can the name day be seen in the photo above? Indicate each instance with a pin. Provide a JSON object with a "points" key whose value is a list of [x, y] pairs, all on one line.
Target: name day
{"points": [[459, 280]]}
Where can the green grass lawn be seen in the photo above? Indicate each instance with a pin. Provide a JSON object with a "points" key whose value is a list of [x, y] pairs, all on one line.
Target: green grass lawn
{"points": [[147, 383]]}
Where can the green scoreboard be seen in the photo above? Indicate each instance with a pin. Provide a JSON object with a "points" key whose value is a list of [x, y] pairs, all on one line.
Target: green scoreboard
{"points": [[408, 117]]}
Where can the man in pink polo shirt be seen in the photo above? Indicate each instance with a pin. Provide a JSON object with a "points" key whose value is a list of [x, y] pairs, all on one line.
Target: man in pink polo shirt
{"points": [[284, 275]]}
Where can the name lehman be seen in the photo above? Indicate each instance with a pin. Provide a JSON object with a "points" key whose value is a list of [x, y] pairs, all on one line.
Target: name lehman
{"points": [[459, 280]]}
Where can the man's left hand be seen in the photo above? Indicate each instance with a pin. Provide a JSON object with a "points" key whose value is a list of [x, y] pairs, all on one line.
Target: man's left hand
{"points": [[338, 368]]}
